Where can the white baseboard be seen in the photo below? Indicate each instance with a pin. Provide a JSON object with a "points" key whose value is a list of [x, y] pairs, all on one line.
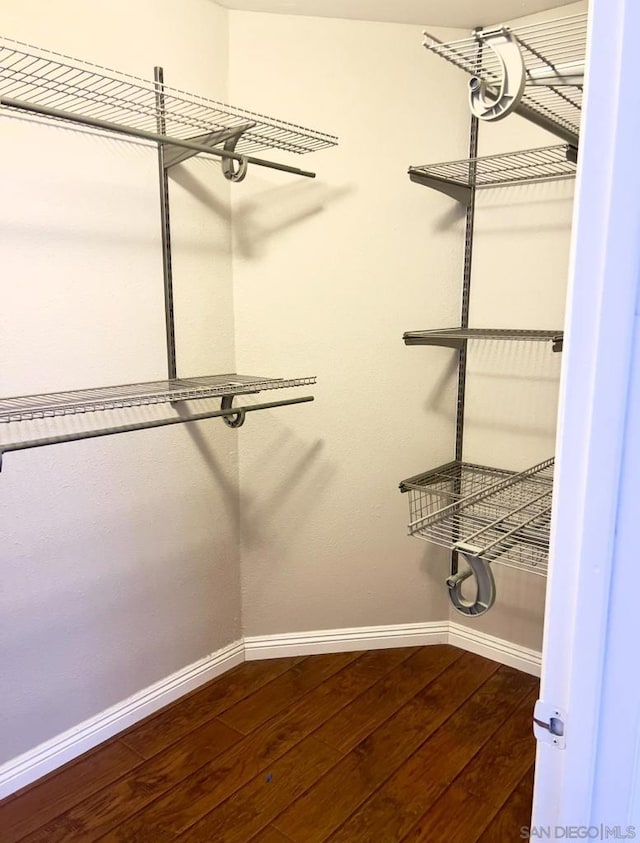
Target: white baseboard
{"points": [[402, 635], [522, 658], [344, 640], [32, 765], [35, 763]]}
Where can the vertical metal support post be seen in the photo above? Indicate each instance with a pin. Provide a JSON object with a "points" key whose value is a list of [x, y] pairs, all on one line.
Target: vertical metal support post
{"points": [[466, 285], [466, 293], [158, 77]]}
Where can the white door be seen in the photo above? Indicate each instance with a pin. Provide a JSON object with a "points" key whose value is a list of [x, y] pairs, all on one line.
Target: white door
{"points": [[591, 652]]}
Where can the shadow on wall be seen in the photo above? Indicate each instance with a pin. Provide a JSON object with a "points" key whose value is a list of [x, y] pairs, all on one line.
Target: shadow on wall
{"points": [[454, 215], [257, 220], [434, 564], [300, 485], [202, 189], [299, 488], [523, 376], [439, 400], [228, 486]]}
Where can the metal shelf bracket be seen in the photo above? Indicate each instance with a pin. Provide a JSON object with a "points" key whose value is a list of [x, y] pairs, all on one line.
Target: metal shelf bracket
{"points": [[460, 192], [233, 168], [174, 154]]}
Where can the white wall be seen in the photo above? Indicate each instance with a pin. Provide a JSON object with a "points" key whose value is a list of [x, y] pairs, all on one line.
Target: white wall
{"points": [[328, 275], [119, 556]]}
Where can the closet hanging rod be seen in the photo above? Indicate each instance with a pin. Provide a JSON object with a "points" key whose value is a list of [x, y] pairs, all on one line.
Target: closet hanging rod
{"points": [[146, 425], [118, 128]]}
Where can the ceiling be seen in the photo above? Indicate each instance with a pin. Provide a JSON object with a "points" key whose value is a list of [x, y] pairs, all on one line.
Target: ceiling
{"points": [[455, 13]]}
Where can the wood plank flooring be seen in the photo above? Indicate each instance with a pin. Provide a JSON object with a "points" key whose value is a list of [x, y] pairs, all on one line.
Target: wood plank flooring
{"points": [[425, 743]]}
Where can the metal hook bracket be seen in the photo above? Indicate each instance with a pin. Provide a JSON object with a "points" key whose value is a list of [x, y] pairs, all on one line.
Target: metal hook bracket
{"points": [[485, 584], [484, 102], [234, 170], [235, 420], [174, 154]]}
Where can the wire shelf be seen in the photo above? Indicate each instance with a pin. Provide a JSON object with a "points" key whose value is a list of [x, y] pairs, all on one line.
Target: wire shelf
{"points": [[456, 337], [501, 516], [457, 178], [43, 78], [553, 53], [29, 407]]}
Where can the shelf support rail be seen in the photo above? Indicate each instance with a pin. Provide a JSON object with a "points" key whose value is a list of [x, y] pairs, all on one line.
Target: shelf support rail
{"points": [[474, 129], [224, 412], [117, 128], [165, 230]]}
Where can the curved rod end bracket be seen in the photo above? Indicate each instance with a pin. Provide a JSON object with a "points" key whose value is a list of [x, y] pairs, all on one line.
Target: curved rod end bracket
{"points": [[235, 170], [485, 586], [486, 104], [235, 420]]}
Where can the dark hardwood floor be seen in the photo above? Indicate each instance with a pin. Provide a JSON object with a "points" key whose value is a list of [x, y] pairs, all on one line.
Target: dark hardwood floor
{"points": [[427, 743]]}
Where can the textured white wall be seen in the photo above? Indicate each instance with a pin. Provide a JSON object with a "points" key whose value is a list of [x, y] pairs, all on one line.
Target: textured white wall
{"points": [[328, 275], [119, 556]]}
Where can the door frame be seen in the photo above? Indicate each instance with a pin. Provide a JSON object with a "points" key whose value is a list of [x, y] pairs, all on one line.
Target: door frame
{"points": [[589, 547]]}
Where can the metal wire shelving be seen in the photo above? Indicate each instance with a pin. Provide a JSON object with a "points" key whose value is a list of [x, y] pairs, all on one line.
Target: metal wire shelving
{"points": [[553, 54], [458, 178], [173, 391], [485, 515], [50, 405], [54, 85], [457, 337], [500, 516]]}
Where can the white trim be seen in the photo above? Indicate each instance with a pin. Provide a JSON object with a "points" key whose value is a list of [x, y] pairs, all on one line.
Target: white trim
{"points": [[581, 607], [343, 640], [497, 649], [402, 635], [52, 754], [48, 756]]}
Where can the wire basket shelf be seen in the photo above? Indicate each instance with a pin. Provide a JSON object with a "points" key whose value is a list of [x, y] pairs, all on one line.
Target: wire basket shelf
{"points": [[501, 516], [49, 405], [43, 78], [553, 53], [546, 163], [456, 337]]}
